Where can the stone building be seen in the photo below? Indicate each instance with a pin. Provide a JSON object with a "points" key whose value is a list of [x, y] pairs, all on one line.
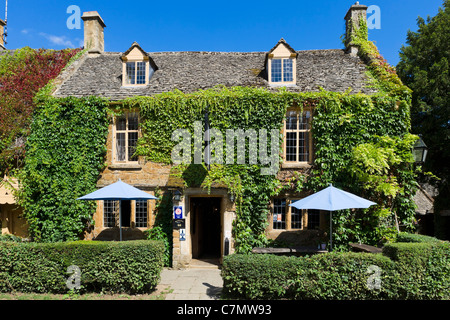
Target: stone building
{"points": [[206, 217]]}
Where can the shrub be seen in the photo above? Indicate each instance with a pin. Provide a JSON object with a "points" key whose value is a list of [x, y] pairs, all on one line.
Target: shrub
{"points": [[349, 276], [260, 276], [423, 268], [129, 266], [410, 237], [404, 271], [325, 276]]}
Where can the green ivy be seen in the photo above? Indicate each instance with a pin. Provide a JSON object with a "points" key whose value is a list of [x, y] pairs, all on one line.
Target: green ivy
{"points": [[382, 75], [341, 122], [65, 154]]}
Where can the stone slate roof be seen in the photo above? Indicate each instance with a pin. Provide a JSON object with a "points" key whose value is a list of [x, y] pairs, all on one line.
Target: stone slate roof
{"points": [[101, 75]]}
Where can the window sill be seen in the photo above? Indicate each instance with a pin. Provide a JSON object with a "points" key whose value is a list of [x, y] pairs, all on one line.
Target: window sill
{"points": [[283, 84], [292, 165], [125, 166], [134, 86]]}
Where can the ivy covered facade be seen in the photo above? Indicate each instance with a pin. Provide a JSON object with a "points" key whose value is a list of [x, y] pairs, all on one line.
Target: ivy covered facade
{"points": [[282, 125]]}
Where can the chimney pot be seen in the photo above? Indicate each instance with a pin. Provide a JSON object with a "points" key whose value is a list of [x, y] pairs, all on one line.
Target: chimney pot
{"points": [[94, 39]]}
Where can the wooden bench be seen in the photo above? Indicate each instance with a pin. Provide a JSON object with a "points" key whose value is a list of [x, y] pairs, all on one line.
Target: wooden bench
{"points": [[365, 248], [293, 250]]}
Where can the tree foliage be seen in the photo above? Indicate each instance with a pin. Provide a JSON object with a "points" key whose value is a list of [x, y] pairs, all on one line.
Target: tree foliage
{"points": [[424, 67], [22, 73]]}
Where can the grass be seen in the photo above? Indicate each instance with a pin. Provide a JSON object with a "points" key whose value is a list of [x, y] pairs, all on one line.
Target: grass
{"points": [[158, 294]]}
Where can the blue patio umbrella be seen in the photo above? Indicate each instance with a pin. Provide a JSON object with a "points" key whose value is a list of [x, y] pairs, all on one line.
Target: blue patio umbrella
{"points": [[332, 199], [118, 191]]}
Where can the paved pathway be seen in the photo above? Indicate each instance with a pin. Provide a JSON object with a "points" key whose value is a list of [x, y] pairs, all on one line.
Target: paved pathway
{"points": [[191, 284]]}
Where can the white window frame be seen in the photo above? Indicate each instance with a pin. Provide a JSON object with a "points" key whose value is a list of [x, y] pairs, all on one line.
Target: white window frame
{"points": [[273, 58], [127, 139], [297, 163], [125, 74], [283, 70]]}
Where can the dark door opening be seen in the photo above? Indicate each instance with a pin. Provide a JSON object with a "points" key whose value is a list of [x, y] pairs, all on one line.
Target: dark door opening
{"points": [[205, 227]]}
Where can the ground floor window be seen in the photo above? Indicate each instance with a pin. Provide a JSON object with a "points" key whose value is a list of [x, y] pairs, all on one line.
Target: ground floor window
{"points": [[110, 213], [141, 215], [134, 213], [285, 217]]}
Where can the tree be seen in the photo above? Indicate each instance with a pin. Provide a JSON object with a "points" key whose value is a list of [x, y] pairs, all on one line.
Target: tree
{"points": [[424, 67], [22, 73]]}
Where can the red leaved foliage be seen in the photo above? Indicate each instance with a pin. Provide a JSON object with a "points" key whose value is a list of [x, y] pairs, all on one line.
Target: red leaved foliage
{"points": [[21, 78]]}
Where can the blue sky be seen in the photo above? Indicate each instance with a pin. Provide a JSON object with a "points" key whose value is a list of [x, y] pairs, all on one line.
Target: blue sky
{"points": [[211, 25]]}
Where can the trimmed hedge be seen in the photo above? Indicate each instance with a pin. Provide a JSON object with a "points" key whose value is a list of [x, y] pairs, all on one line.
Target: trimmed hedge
{"points": [[424, 269], [405, 271], [324, 276], [410, 237], [128, 266]]}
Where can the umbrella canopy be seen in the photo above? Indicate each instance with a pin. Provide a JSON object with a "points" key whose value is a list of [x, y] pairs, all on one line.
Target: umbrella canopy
{"points": [[332, 199], [118, 191]]}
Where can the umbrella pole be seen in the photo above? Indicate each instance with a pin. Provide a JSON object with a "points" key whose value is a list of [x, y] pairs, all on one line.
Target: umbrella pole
{"points": [[120, 219], [331, 231]]}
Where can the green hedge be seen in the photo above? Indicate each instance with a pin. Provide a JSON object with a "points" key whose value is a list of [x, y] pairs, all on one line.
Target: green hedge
{"points": [[128, 266], [325, 276], [424, 269], [410, 237], [404, 271]]}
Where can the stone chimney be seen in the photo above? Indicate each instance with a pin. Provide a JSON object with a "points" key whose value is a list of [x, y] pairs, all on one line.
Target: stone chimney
{"points": [[94, 39], [355, 14], [2, 30]]}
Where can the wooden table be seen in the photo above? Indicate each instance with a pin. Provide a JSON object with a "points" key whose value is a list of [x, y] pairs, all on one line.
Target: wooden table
{"points": [[365, 248]]}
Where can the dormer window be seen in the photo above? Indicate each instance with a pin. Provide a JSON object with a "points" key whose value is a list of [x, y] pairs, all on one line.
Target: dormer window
{"points": [[281, 64], [282, 70], [137, 68], [136, 72]]}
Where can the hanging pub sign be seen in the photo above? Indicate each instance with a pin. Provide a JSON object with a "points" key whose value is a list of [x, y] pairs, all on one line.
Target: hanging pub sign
{"points": [[179, 224], [178, 212]]}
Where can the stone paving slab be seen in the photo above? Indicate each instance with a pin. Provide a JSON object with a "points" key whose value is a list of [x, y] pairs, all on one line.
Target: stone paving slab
{"points": [[192, 284]]}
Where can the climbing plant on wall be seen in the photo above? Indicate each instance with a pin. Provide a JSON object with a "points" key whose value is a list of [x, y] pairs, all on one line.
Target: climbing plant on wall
{"points": [[341, 122], [65, 154]]}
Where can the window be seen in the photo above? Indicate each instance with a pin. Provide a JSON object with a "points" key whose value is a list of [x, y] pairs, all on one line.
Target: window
{"points": [[141, 214], [282, 65], [313, 219], [110, 213], [282, 70], [279, 214], [296, 218], [297, 140], [135, 73], [126, 136], [286, 217]]}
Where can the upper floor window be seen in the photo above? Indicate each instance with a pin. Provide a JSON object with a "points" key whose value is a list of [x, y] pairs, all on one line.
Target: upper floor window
{"points": [[137, 67], [126, 133], [282, 70], [136, 72], [297, 148], [281, 64]]}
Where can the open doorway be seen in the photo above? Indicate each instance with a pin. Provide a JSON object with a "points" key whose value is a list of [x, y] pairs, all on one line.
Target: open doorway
{"points": [[206, 227]]}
